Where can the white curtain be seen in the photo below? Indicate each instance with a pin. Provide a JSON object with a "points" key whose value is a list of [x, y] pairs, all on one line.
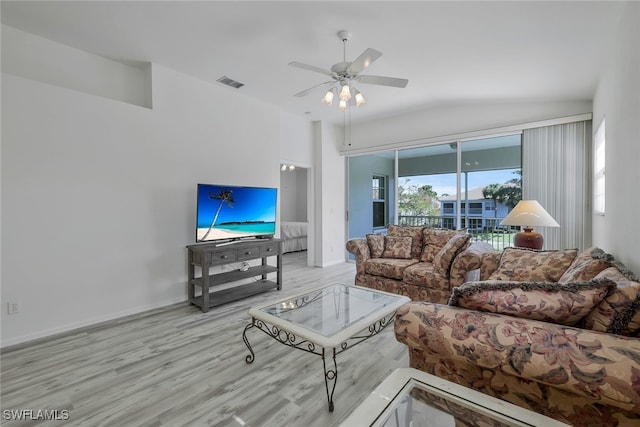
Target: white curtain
{"points": [[556, 171]]}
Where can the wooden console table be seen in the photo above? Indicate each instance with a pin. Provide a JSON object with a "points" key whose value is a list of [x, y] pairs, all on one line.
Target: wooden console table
{"points": [[211, 254]]}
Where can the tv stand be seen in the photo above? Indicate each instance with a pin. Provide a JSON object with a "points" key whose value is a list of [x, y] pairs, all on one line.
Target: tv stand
{"points": [[212, 254]]}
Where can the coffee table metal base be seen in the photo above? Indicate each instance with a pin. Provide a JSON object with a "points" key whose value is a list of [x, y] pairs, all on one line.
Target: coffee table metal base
{"points": [[289, 339]]}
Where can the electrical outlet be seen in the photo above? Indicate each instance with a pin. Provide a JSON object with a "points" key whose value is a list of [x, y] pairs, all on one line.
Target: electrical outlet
{"points": [[13, 307]]}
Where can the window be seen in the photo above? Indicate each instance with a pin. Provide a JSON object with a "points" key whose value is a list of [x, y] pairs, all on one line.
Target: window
{"points": [[379, 190], [599, 169]]}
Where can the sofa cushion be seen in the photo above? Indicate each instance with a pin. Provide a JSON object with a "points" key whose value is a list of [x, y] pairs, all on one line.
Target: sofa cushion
{"points": [[376, 245], [443, 259], [586, 266], [434, 240], [397, 247], [423, 274], [619, 312], [564, 304], [414, 232], [387, 267], [525, 265]]}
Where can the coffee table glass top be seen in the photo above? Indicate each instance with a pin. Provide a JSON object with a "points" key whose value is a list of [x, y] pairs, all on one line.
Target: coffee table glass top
{"points": [[330, 314], [409, 397]]}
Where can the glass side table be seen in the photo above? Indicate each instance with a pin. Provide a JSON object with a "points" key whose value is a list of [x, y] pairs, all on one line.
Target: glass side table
{"points": [[412, 398]]}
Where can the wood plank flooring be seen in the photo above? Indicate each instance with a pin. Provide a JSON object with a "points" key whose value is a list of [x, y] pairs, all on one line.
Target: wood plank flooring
{"points": [[177, 366]]}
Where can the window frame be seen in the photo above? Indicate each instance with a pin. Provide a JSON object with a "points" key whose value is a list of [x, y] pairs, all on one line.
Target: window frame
{"points": [[381, 190]]}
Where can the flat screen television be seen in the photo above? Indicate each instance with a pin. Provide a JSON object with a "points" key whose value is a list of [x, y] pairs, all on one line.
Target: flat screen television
{"points": [[228, 213]]}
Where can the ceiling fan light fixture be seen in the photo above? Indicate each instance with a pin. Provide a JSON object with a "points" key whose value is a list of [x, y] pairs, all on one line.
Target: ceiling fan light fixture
{"points": [[345, 93], [344, 74], [359, 98], [328, 97]]}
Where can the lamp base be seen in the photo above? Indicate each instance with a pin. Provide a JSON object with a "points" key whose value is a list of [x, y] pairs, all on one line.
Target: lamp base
{"points": [[528, 239]]}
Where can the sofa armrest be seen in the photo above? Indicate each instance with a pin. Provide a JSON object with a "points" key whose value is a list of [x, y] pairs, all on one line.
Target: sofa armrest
{"points": [[360, 248], [467, 261], [603, 367]]}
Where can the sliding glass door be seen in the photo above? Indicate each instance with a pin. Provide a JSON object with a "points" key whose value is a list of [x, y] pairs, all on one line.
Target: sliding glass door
{"points": [[469, 184]]}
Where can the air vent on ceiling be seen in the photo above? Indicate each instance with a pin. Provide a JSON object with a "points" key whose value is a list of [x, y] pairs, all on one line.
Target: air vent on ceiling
{"points": [[230, 82]]}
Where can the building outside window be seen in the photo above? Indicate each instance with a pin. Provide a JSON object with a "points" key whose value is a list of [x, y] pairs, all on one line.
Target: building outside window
{"points": [[379, 190]]}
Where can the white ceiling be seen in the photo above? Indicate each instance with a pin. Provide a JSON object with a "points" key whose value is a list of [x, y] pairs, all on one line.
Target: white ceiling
{"points": [[451, 52]]}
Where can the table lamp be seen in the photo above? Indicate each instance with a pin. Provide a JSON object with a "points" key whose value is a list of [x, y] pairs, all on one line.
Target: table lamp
{"points": [[529, 214]]}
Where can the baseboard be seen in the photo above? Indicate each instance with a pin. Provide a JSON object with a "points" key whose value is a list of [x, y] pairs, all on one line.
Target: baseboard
{"points": [[73, 328]]}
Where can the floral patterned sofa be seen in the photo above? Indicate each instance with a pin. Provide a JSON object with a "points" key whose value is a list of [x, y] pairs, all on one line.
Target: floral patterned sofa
{"points": [[419, 262], [555, 332]]}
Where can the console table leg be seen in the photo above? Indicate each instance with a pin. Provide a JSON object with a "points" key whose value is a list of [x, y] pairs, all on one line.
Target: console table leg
{"points": [[250, 357], [330, 376]]}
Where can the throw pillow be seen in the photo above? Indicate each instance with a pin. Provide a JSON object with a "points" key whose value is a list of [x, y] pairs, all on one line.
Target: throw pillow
{"points": [[414, 232], [619, 312], [489, 264], [434, 240], [525, 265], [397, 247], [376, 245], [563, 304], [442, 261], [586, 266]]}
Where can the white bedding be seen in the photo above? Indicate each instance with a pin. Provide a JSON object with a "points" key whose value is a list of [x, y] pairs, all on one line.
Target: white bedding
{"points": [[293, 235]]}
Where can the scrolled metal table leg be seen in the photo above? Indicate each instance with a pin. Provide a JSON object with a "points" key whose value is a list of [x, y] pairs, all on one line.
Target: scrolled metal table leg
{"points": [[250, 357], [330, 376]]}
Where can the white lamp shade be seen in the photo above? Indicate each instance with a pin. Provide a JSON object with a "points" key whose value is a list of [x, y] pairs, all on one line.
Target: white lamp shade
{"points": [[342, 106], [359, 99], [529, 213]]}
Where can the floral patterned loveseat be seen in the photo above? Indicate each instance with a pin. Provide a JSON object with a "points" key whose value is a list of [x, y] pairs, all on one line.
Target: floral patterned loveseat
{"points": [[419, 262], [567, 348]]}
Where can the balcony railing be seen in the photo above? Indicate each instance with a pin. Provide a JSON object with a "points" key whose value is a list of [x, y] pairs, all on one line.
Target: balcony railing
{"points": [[483, 229]]}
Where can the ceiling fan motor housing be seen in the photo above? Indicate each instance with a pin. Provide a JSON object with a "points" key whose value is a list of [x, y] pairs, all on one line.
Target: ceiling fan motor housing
{"points": [[341, 68], [344, 35]]}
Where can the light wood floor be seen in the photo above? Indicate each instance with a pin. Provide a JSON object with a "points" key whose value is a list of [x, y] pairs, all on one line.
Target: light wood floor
{"points": [[178, 366]]}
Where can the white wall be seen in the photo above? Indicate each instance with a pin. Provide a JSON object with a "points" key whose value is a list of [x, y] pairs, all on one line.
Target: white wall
{"points": [[36, 58], [296, 140], [330, 190], [98, 196], [618, 99]]}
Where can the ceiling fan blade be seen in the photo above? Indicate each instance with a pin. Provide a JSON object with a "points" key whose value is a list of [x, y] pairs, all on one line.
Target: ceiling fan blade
{"points": [[312, 68], [384, 81], [363, 61], [306, 91]]}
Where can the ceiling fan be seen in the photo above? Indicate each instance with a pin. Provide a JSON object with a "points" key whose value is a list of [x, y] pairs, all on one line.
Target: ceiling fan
{"points": [[344, 74]]}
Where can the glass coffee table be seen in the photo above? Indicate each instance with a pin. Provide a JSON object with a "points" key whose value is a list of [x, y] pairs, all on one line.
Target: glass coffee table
{"points": [[409, 397], [325, 322]]}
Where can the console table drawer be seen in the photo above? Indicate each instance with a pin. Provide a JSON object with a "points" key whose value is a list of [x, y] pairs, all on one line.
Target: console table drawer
{"points": [[268, 250], [248, 253], [224, 257]]}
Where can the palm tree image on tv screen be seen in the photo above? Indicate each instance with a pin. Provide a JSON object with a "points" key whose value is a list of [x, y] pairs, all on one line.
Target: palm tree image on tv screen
{"points": [[230, 212]]}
